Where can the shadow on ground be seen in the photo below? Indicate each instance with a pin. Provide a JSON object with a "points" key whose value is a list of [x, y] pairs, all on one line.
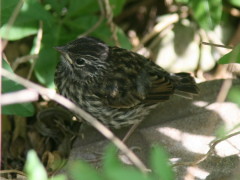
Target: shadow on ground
{"points": [[184, 128]]}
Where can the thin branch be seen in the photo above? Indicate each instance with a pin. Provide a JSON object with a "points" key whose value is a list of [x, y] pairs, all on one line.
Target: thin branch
{"points": [[51, 94], [23, 59], [226, 86], [21, 96], [163, 24], [3, 44], [12, 171], [227, 83], [217, 45], [213, 144], [37, 48], [109, 16], [130, 131], [100, 20], [11, 22]]}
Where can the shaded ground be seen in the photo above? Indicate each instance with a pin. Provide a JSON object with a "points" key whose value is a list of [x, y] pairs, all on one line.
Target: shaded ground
{"points": [[185, 128]]}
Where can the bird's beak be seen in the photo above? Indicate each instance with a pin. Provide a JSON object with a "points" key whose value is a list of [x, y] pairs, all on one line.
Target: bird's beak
{"points": [[63, 51]]}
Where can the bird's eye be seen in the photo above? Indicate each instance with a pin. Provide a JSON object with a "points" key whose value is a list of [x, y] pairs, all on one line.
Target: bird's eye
{"points": [[80, 62]]}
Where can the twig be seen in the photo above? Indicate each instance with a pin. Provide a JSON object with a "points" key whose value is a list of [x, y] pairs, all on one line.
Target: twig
{"points": [[132, 10], [21, 96], [51, 94], [12, 171], [227, 83], [217, 45], [163, 24], [130, 131], [11, 22], [23, 59], [226, 86], [214, 39], [37, 48], [109, 16], [3, 44], [213, 144], [95, 26]]}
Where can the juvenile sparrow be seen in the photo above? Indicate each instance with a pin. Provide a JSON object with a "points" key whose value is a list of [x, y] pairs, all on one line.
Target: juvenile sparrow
{"points": [[116, 86]]}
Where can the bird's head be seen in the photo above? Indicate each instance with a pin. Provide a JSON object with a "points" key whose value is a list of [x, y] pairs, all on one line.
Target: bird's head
{"points": [[84, 58]]}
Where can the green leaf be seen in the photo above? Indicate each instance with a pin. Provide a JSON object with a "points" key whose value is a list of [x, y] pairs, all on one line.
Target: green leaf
{"points": [[103, 33], [235, 3], [33, 167], [18, 32], [7, 8], [207, 12], [67, 29], [27, 22], [48, 57], [89, 7], [22, 27], [115, 170], [123, 39], [182, 1], [126, 173], [57, 6], [221, 131], [111, 160], [46, 66], [117, 6], [82, 23], [160, 164], [234, 95], [34, 10], [83, 7], [231, 57], [59, 177], [81, 171], [24, 109]]}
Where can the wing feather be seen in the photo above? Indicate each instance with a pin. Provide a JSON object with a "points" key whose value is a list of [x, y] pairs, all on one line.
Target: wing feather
{"points": [[133, 81]]}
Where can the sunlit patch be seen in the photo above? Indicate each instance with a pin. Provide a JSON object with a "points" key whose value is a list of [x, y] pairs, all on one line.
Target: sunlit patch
{"points": [[229, 113], [192, 142], [195, 172], [200, 143], [200, 103], [228, 147], [174, 160]]}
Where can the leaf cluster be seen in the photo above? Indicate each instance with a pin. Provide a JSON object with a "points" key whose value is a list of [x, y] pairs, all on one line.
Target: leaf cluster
{"points": [[112, 168], [62, 21]]}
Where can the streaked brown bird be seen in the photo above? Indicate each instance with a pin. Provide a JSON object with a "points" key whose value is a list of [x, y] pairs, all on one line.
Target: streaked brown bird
{"points": [[116, 86]]}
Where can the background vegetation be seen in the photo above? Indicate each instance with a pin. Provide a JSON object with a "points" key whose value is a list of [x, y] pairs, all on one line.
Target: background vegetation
{"points": [[164, 31]]}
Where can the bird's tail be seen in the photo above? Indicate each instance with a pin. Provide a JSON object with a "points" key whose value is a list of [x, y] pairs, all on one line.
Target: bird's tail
{"points": [[185, 85]]}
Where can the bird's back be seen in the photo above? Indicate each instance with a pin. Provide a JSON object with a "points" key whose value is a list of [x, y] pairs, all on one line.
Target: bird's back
{"points": [[124, 87]]}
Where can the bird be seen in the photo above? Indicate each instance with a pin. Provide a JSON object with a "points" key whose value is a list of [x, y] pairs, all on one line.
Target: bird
{"points": [[116, 86]]}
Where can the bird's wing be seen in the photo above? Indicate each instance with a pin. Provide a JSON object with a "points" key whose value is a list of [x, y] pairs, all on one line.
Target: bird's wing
{"points": [[161, 88], [130, 82]]}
